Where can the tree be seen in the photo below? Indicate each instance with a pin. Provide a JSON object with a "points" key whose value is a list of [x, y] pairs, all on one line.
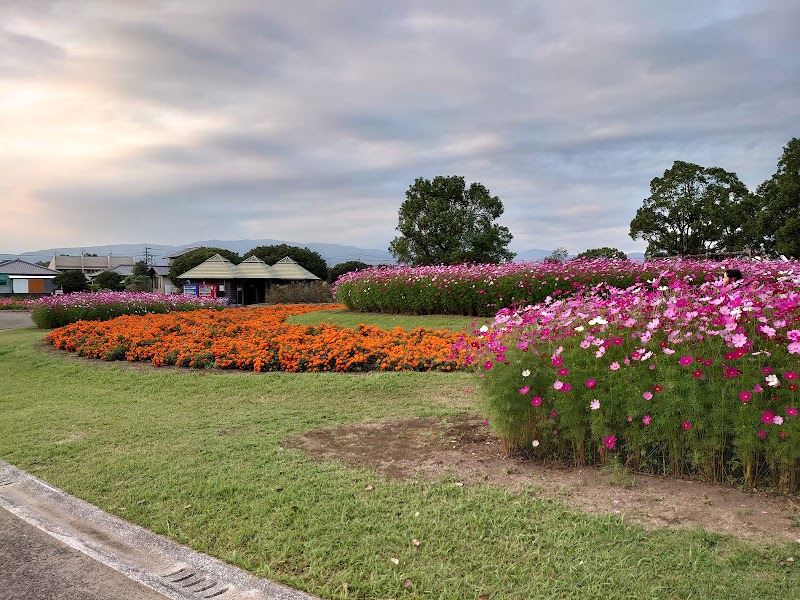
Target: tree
{"points": [[345, 267], [779, 203], [196, 257], [443, 222], [691, 210], [138, 283], [604, 252], [71, 281], [141, 268], [308, 259], [108, 280], [558, 255]]}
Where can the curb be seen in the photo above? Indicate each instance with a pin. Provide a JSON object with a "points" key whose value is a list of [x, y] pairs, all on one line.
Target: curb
{"points": [[173, 570]]}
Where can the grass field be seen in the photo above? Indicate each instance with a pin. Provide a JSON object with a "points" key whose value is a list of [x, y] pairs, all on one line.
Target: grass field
{"points": [[197, 456]]}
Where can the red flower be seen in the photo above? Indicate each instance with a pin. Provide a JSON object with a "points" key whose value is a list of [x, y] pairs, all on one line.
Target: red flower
{"points": [[687, 425]]}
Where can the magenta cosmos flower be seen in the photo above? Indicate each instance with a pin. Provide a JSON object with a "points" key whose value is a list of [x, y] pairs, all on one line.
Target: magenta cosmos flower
{"points": [[609, 441], [767, 416], [687, 425], [590, 383], [791, 411], [685, 360], [536, 401], [745, 396]]}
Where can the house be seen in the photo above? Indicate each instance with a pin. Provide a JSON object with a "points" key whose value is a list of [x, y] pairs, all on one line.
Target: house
{"points": [[161, 282], [245, 283], [90, 265], [21, 277]]}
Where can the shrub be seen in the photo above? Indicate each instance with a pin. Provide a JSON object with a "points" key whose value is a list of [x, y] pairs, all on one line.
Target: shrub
{"points": [[109, 280], [57, 311], [316, 292], [697, 380], [481, 290]]}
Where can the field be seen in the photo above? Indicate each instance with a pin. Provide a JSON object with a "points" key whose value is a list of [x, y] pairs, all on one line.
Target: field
{"points": [[226, 462]]}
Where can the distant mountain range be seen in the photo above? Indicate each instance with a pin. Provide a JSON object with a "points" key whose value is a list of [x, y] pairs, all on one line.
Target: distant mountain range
{"points": [[332, 253]]}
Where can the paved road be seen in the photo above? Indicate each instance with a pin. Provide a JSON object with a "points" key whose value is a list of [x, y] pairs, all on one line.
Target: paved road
{"points": [[11, 319], [36, 566]]}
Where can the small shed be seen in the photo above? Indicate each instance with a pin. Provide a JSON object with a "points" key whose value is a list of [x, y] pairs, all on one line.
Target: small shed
{"points": [[245, 283], [24, 278]]}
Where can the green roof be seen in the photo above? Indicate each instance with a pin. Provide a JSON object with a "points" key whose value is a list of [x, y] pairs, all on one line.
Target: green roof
{"points": [[219, 267]]}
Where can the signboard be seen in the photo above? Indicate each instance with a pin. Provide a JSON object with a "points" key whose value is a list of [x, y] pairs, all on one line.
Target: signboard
{"points": [[190, 289]]}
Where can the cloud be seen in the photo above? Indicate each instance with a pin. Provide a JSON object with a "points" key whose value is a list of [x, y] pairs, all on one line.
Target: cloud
{"points": [[177, 121]]}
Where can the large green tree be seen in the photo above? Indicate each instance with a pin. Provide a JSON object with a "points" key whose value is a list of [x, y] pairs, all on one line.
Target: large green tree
{"points": [[692, 210], [308, 259], [444, 222], [71, 281], [196, 257], [779, 196]]}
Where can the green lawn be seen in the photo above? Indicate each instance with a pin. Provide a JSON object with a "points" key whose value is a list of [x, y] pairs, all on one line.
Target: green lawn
{"points": [[348, 318], [197, 456]]}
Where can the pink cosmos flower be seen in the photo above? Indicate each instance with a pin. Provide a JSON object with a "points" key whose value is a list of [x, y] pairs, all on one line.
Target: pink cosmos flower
{"points": [[766, 370], [767, 416], [488, 365], [685, 360], [536, 401], [794, 348], [630, 418], [651, 367], [647, 395], [745, 396], [558, 384], [790, 375], [585, 344], [687, 425], [777, 420], [609, 441], [757, 389], [669, 351], [594, 404], [486, 421], [563, 372], [646, 419], [793, 335], [553, 415], [524, 390], [739, 340], [614, 366], [590, 383], [762, 434]]}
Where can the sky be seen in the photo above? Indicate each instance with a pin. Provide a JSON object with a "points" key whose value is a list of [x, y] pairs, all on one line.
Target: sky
{"points": [[128, 121]]}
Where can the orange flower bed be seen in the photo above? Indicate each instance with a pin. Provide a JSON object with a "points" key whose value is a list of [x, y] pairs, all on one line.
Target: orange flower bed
{"points": [[258, 339]]}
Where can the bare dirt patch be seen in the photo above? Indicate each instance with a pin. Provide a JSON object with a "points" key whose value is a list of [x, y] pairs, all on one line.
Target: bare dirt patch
{"points": [[462, 447]]}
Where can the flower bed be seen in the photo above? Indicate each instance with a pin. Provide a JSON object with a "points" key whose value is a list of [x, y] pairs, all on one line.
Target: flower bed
{"points": [[257, 339], [667, 376], [481, 290], [14, 304], [57, 311]]}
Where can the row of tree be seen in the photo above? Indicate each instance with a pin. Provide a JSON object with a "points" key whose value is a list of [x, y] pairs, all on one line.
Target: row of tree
{"points": [[694, 210], [691, 211]]}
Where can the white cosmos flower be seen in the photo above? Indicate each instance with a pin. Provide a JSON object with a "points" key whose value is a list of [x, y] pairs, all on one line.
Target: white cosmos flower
{"points": [[772, 381], [579, 328], [526, 372], [483, 329], [535, 443]]}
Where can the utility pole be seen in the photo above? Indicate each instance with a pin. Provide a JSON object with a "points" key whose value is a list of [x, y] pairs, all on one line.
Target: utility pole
{"points": [[147, 257]]}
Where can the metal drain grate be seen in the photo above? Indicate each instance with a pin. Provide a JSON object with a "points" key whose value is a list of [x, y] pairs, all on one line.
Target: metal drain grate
{"points": [[196, 583]]}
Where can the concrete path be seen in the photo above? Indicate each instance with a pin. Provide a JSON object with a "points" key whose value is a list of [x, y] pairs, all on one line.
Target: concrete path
{"points": [[11, 319]]}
